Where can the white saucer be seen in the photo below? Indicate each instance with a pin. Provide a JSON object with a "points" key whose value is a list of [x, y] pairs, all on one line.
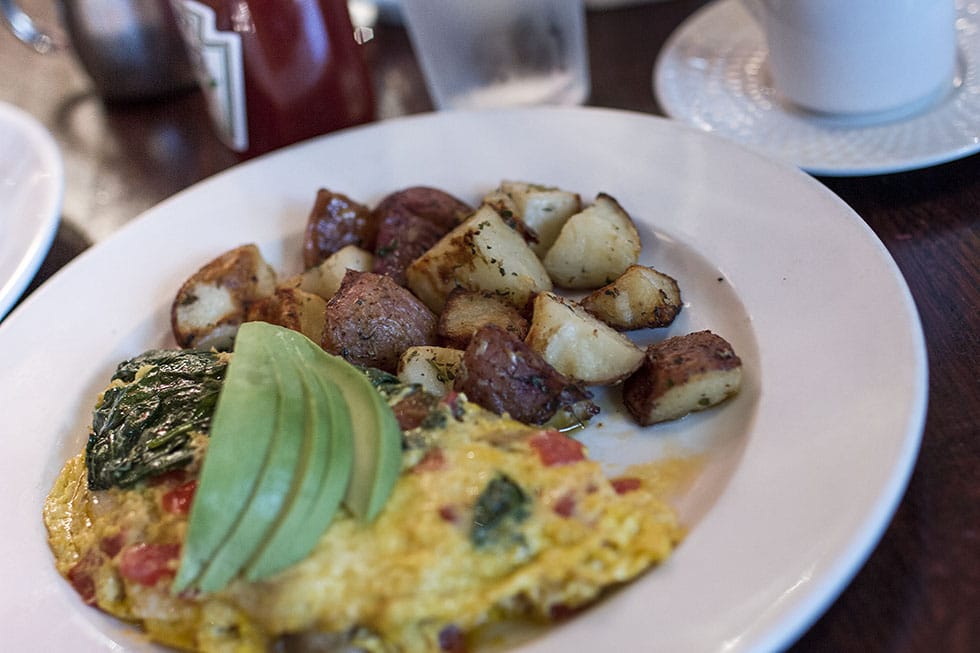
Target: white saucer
{"points": [[31, 189], [712, 73]]}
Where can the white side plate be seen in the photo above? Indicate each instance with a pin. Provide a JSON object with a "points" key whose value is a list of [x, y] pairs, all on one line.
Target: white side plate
{"points": [[31, 188]]}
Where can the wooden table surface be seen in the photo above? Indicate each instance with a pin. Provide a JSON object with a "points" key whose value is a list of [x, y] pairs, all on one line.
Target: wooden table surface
{"points": [[920, 589]]}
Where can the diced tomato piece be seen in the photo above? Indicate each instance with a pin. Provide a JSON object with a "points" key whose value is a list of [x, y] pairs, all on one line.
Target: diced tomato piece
{"points": [[81, 576], [565, 506], [178, 500], [625, 484], [111, 545], [411, 411], [147, 564], [433, 460], [448, 513], [554, 448]]}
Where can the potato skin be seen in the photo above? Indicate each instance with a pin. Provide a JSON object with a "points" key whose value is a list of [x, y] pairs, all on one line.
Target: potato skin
{"points": [[504, 375], [402, 238], [371, 320], [680, 375], [431, 204], [335, 221], [410, 221]]}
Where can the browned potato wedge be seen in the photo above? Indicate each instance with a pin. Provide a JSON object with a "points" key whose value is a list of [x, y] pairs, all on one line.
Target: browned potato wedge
{"points": [[335, 221], [681, 375], [433, 368], [468, 310], [483, 253], [371, 320], [212, 303], [594, 246], [578, 344], [504, 375], [292, 308], [507, 209], [543, 209], [641, 298], [324, 279]]}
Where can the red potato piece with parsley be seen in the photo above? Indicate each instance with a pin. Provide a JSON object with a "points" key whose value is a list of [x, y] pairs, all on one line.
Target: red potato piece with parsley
{"points": [[594, 246], [432, 204], [641, 298], [334, 222], [484, 254], [402, 238], [505, 375], [212, 303], [371, 320], [578, 344], [681, 375], [410, 221]]}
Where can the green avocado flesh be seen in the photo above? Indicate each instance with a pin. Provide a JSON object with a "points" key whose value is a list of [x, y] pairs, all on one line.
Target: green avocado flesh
{"points": [[320, 484], [377, 441], [288, 443]]}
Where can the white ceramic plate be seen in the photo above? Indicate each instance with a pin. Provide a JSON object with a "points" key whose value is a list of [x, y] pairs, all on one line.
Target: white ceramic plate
{"points": [[31, 188], [801, 471], [713, 73]]}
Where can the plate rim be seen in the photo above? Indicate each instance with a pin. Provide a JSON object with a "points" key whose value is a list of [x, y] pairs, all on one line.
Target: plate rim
{"points": [[860, 544]]}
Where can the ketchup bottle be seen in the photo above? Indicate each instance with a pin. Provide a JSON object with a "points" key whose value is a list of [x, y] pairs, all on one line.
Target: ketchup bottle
{"points": [[276, 71]]}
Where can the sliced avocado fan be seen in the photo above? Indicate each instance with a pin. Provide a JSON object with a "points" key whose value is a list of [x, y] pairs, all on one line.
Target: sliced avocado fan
{"points": [[296, 432]]}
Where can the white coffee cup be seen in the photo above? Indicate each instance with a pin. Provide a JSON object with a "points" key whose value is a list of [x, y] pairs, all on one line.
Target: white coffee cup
{"points": [[859, 57]]}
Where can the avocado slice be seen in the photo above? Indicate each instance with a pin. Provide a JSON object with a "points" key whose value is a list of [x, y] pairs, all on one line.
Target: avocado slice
{"points": [[275, 481], [241, 436], [321, 480], [296, 432], [377, 440]]}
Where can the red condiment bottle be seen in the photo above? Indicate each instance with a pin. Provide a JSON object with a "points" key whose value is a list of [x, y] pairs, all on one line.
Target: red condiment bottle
{"points": [[276, 71]]}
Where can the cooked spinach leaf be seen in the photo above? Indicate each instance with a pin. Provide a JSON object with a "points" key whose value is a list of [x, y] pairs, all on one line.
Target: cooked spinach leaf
{"points": [[388, 385], [143, 424], [498, 512]]}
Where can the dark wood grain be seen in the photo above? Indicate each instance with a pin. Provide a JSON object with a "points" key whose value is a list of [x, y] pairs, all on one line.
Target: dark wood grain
{"points": [[918, 591]]}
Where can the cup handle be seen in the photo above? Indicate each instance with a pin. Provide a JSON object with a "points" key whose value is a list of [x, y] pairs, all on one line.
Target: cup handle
{"points": [[24, 28]]}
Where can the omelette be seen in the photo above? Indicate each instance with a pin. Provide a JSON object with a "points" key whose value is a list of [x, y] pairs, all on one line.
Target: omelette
{"points": [[489, 521]]}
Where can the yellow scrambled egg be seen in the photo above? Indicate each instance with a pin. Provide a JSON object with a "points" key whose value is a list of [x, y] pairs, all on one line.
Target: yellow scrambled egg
{"points": [[435, 566]]}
